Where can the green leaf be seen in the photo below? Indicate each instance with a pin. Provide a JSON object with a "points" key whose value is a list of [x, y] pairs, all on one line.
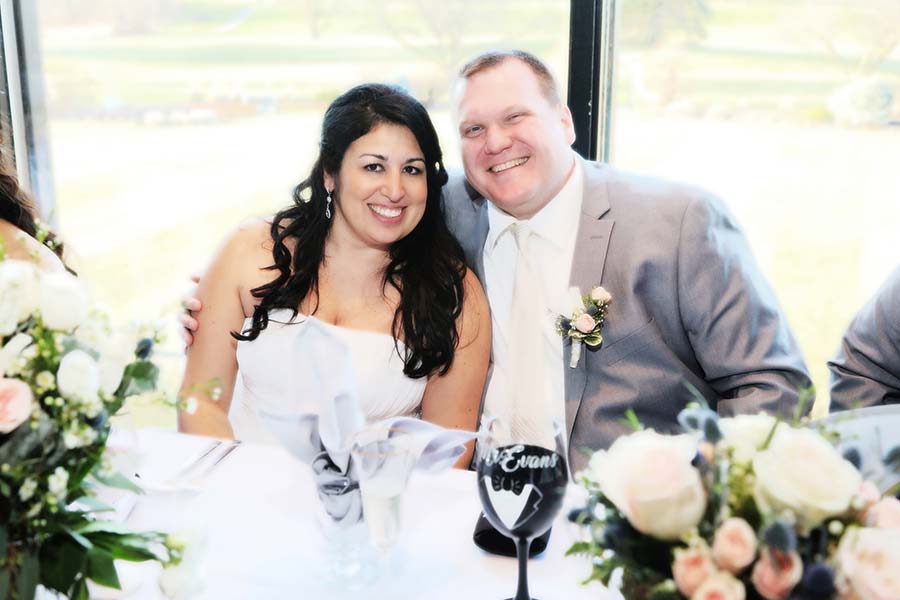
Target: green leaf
{"points": [[93, 504], [134, 547], [27, 577], [579, 548], [631, 420], [62, 559], [100, 568], [139, 377], [82, 541], [80, 590], [105, 527], [119, 481], [593, 339]]}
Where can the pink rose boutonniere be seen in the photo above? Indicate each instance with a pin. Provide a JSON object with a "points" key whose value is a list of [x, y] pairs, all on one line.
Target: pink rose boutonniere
{"points": [[585, 324]]}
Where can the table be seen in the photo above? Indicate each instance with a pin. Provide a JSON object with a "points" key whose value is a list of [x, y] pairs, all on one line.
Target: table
{"points": [[256, 510]]}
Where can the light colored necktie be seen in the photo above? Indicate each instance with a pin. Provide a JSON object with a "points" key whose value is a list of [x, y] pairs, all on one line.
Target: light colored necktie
{"points": [[527, 404]]}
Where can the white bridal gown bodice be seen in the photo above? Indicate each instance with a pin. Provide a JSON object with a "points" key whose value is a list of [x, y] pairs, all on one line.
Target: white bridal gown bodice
{"points": [[269, 366]]}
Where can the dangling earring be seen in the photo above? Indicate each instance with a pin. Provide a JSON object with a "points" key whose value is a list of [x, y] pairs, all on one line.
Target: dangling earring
{"points": [[328, 206]]}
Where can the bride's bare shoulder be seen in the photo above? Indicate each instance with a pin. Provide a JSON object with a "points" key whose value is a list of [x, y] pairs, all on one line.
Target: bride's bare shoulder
{"points": [[20, 246]]}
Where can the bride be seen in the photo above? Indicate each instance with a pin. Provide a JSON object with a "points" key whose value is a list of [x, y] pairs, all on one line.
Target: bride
{"points": [[365, 253]]}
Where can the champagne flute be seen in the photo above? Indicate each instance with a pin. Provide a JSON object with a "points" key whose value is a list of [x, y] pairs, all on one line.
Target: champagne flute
{"points": [[522, 478], [383, 467]]}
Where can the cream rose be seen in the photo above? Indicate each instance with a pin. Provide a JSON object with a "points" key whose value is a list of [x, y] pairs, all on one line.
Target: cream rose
{"points": [[720, 586], [18, 293], [16, 401], [691, 567], [78, 376], [734, 545], [744, 434], [804, 474], [650, 479], [868, 565], [64, 301]]}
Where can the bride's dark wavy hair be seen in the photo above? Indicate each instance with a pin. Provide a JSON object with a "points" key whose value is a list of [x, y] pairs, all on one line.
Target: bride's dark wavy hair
{"points": [[426, 267]]}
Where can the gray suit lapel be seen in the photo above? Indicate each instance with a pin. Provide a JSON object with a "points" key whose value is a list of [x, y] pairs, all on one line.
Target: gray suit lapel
{"points": [[588, 261]]}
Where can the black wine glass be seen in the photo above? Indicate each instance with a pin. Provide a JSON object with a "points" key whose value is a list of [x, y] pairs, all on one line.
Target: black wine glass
{"points": [[522, 478]]}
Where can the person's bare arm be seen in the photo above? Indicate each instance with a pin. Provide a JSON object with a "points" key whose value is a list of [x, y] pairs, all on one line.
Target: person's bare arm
{"points": [[452, 400], [211, 359]]}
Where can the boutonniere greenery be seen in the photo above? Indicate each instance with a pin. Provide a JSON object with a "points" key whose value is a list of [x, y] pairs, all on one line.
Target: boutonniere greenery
{"points": [[585, 324]]}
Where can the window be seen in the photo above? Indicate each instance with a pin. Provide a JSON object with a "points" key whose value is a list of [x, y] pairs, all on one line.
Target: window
{"points": [[790, 112], [172, 121]]}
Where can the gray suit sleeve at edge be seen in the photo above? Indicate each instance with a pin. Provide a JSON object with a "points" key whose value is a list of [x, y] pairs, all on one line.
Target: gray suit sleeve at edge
{"points": [[866, 369], [741, 338]]}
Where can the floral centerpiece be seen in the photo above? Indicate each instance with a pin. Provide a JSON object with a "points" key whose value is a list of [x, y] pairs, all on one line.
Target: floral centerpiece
{"points": [[63, 373], [742, 507]]}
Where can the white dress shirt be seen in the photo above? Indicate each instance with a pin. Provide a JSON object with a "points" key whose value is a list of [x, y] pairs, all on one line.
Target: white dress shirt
{"points": [[555, 227]]}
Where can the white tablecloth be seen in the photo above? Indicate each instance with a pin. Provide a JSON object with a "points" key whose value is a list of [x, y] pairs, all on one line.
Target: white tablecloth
{"points": [[263, 542]]}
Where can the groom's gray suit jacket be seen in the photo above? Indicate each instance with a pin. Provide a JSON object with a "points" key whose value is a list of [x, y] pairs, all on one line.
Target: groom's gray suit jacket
{"points": [[689, 307]]}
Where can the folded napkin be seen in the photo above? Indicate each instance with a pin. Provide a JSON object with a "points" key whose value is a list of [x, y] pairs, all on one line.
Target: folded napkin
{"points": [[328, 421]]}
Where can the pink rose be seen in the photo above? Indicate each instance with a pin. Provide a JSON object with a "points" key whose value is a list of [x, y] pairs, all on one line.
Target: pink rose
{"points": [[775, 574], [585, 323], [734, 545], [692, 566], [885, 514], [868, 562], [867, 496], [15, 404], [720, 586]]}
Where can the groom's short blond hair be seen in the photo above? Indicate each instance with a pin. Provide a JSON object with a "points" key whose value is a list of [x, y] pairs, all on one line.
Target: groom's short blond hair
{"points": [[493, 58]]}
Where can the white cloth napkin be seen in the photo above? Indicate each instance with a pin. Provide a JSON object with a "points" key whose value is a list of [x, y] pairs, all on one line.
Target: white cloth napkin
{"points": [[328, 421]]}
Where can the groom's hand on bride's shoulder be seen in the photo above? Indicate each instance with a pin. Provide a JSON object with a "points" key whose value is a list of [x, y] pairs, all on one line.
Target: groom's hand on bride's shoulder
{"points": [[191, 306]]}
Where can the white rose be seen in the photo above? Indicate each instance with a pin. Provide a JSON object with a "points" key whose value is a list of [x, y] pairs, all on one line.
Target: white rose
{"points": [[650, 479], [12, 349], [802, 473], [746, 433], [114, 358], [116, 350], [63, 301], [78, 376], [18, 293], [868, 563]]}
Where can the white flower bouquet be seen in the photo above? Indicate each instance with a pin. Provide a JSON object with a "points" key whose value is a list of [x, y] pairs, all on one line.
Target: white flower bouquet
{"points": [[743, 507], [63, 373]]}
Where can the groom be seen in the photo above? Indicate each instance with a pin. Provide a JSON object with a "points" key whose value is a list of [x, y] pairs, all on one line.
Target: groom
{"points": [[689, 308]]}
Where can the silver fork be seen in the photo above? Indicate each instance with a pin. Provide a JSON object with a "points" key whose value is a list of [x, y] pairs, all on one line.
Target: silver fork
{"points": [[193, 464], [204, 473]]}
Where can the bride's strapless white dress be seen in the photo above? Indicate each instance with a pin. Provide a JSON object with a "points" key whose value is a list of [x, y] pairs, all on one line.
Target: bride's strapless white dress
{"points": [[269, 365]]}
